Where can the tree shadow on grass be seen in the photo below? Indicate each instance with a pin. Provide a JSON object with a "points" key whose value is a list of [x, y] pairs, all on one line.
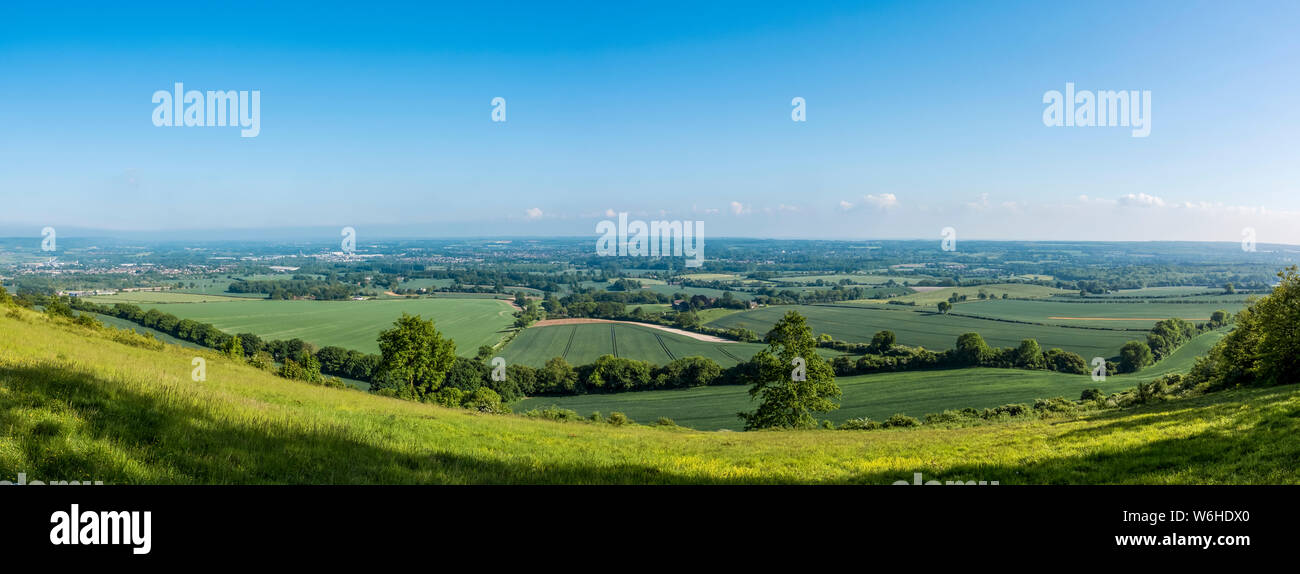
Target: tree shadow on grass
{"points": [[1257, 445], [151, 437]]}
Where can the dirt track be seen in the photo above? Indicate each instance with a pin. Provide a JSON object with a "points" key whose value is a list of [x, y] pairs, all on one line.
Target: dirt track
{"points": [[696, 336]]}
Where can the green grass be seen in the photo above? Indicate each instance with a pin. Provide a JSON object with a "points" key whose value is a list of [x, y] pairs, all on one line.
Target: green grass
{"points": [[671, 290], [1134, 314], [854, 278], [586, 342], [471, 322], [876, 396], [929, 329], [74, 406], [144, 297], [1019, 290], [1163, 291]]}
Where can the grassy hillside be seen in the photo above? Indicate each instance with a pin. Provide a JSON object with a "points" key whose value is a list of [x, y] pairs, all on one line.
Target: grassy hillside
{"points": [[876, 396], [76, 406], [930, 329], [350, 324]]}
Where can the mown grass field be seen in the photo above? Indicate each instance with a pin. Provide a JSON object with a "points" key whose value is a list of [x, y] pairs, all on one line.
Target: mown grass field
{"points": [[74, 406], [471, 322], [1122, 313], [876, 396], [930, 329]]}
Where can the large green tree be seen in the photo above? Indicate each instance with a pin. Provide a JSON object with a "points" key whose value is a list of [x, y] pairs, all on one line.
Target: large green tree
{"points": [[1264, 348], [1134, 356], [789, 378], [415, 358]]}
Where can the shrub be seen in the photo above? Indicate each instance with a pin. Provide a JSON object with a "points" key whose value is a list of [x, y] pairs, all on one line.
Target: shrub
{"points": [[618, 419], [862, 423], [450, 397], [554, 413], [665, 422], [485, 400], [1092, 395], [1055, 405], [900, 420]]}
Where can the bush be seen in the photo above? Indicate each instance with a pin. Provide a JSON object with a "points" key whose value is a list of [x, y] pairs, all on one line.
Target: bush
{"points": [[862, 423], [618, 419], [485, 400], [901, 421], [665, 422], [554, 413], [1092, 395], [1055, 405], [450, 397]]}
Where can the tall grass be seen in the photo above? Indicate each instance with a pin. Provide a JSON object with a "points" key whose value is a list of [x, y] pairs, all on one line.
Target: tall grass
{"points": [[74, 405]]}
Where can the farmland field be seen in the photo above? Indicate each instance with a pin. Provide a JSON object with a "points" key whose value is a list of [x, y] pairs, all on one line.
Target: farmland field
{"points": [[706, 291], [470, 322], [1162, 291], [584, 343], [1016, 290], [59, 381], [929, 329], [876, 396], [142, 297], [854, 278], [1124, 313]]}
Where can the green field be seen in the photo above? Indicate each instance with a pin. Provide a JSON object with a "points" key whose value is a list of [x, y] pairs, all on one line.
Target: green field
{"points": [[854, 278], [1162, 292], [584, 343], [75, 406], [1110, 314], [143, 297], [471, 322], [1015, 290], [928, 329], [672, 290], [876, 396]]}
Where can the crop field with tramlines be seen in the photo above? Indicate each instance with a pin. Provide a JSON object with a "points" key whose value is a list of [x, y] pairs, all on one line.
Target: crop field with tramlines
{"points": [[932, 330], [1107, 313], [78, 405], [584, 343], [470, 322], [876, 396]]}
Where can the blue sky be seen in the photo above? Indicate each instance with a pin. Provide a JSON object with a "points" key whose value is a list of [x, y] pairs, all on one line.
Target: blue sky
{"points": [[919, 116]]}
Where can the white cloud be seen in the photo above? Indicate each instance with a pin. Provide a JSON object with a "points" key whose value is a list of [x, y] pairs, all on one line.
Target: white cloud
{"points": [[845, 206], [1142, 200], [534, 213], [882, 201], [738, 208], [610, 213]]}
